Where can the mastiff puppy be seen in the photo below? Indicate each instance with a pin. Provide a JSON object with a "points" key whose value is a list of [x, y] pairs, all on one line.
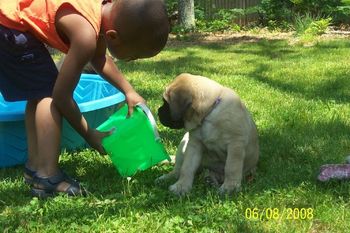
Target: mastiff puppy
{"points": [[221, 136]]}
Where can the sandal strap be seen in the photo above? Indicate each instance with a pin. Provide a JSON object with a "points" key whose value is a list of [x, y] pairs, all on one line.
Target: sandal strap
{"points": [[49, 184], [28, 175], [29, 171]]}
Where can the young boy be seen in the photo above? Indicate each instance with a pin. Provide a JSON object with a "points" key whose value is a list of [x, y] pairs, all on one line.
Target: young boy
{"points": [[130, 29]]}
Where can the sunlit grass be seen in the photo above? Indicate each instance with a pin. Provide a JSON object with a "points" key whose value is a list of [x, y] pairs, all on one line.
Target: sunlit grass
{"points": [[299, 98]]}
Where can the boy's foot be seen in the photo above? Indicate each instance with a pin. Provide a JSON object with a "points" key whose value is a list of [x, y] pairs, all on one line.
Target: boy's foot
{"points": [[44, 187]]}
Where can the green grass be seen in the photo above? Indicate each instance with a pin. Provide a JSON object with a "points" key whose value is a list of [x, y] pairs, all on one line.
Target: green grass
{"points": [[299, 98]]}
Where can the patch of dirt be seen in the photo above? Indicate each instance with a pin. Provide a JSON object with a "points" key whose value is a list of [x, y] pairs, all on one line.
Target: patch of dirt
{"points": [[252, 36]]}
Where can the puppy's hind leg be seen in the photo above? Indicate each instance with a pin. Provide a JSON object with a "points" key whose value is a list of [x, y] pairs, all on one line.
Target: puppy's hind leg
{"points": [[233, 168], [211, 178]]}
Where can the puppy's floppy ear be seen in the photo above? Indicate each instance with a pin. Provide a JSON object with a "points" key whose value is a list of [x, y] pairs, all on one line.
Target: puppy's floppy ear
{"points": [[179, 102]]}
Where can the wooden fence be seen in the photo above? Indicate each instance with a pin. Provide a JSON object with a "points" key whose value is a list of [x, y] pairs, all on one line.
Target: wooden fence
{"points": [[212, 6]]}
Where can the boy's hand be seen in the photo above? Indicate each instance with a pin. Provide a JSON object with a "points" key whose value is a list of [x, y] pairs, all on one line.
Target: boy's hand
{"points": [[95, 139], [133, 98]]}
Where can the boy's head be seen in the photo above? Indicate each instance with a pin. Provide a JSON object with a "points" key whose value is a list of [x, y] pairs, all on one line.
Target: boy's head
{"points": [[138, 28]]}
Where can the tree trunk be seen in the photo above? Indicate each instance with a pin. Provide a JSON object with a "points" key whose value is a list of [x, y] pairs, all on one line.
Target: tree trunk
{"points": [[186, 14]]}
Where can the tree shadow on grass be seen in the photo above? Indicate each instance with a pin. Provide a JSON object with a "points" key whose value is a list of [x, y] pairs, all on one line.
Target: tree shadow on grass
{"points": [[265, 50], [333, 87]]}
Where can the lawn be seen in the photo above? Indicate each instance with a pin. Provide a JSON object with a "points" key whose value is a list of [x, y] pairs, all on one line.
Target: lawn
{"points": [[298, 96]]}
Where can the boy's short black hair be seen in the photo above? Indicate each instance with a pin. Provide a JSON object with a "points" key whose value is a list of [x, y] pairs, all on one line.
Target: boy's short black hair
{"points": [[142, 23]]}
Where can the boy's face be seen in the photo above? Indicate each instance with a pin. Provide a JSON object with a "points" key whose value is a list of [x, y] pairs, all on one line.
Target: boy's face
{"points": [[123, 52], [128, 52]]}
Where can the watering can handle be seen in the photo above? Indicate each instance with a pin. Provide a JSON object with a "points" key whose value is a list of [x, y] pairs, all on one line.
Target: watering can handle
{"points": [[148, 113]]}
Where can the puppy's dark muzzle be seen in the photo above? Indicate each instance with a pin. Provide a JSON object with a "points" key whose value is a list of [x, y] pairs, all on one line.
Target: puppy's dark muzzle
{"points": [[165, 118]]}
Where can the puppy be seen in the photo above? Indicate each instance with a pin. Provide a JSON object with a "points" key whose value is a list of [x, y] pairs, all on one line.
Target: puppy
{"points": [[221, 135]]}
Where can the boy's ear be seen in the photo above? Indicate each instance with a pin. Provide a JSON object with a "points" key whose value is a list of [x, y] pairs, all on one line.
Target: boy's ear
{"points": [[112, 35]]}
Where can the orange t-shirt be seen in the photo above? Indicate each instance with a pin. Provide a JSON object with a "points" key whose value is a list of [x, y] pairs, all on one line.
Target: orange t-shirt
{"points": [[38, 17]]}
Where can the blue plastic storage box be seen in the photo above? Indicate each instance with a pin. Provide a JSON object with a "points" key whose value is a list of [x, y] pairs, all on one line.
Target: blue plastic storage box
{"points": [[96, 98]]}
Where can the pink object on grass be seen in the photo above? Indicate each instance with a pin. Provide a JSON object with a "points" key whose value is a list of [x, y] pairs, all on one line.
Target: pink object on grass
{"points": [[334, 171]]}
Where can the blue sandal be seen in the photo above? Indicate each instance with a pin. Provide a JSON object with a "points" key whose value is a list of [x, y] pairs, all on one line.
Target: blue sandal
{"points": [[28, 175], [44, 187]]}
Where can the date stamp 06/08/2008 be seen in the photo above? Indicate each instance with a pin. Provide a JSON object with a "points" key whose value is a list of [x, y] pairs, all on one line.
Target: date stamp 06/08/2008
{"points": [[279, 214]]}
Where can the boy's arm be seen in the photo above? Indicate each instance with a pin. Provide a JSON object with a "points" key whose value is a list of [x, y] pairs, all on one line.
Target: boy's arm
{"points": [[82, 39], [104, 65]]}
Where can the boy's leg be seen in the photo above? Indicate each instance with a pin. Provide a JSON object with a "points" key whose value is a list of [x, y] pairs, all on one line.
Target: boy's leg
{"points": [[43, 124], [48, 131], [31, 135], [31, 165], [48, 123]]}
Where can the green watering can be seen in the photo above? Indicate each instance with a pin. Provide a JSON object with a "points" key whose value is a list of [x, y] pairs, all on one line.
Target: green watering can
{"points": [[135, 143]]}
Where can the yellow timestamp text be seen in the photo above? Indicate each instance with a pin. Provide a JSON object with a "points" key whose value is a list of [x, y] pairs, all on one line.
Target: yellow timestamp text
{"points": [[279, 214]]}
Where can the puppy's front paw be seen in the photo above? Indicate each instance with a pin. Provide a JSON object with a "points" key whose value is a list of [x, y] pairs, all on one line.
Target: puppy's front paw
{"points": [[230, 187], [180, 188]]}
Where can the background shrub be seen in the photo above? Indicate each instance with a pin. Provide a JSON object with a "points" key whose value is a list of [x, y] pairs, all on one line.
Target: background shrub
{"points": [[279, 12], [275, 14]]}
